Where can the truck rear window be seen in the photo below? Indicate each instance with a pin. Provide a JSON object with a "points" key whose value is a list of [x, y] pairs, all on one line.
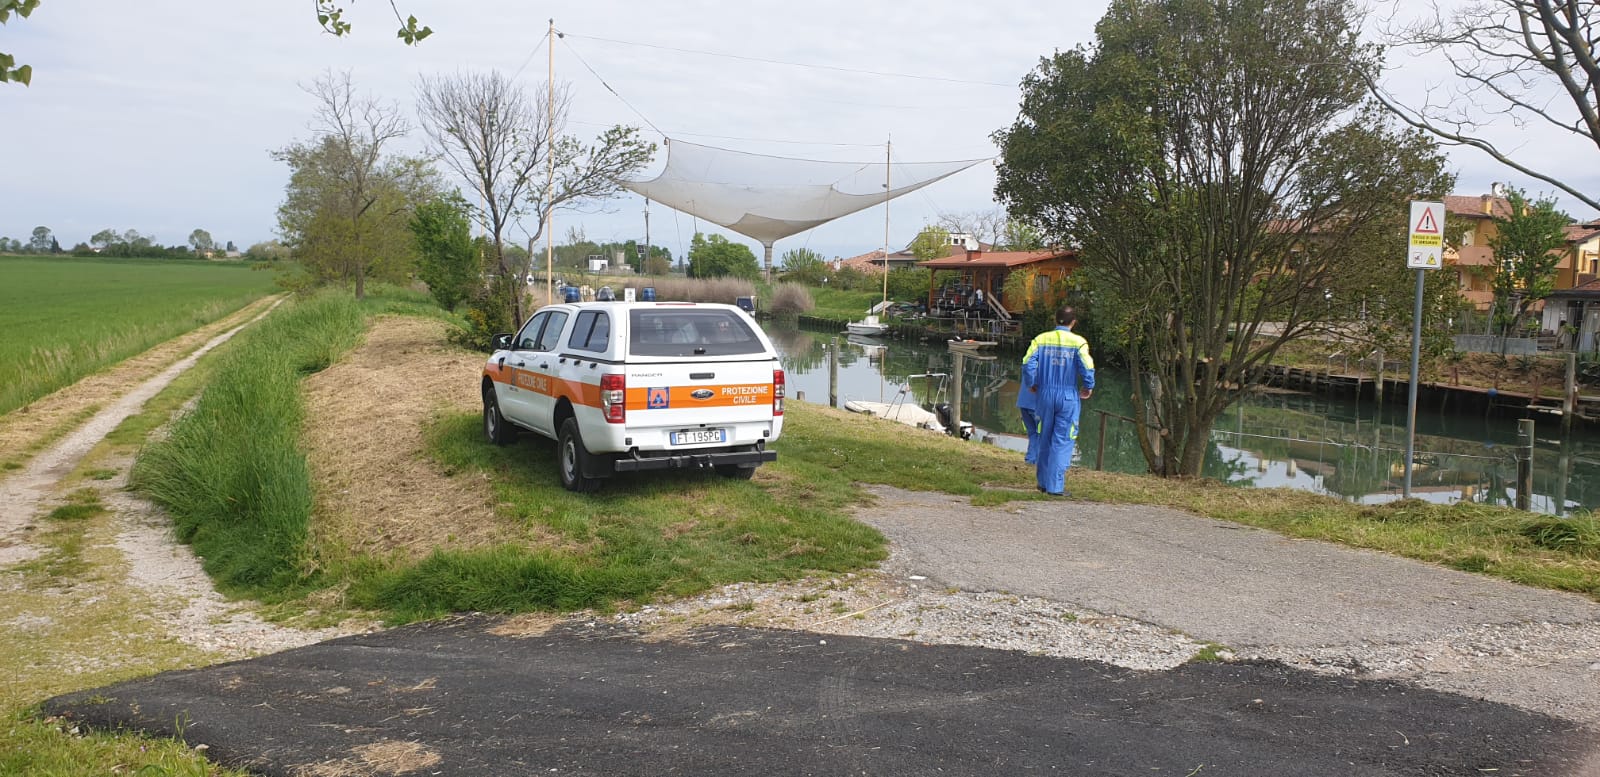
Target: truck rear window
{"points": [[690, 332]]}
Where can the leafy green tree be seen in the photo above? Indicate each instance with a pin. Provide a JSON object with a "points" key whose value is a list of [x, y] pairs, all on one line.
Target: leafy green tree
{"points": [[200, 240], [347, 204], [931, 243], [230, 248], [447, 259], [658, 264], [1526, 252], [803, 265], [909, 283], [103, 239], [55, 246], [716, 256], [1019, 236], [1214, 161], [267, 251], [41, 240]]}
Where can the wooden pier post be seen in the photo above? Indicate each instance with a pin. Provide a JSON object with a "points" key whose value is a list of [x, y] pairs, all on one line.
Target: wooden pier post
{"points": [[1525, 464], [958, 366], [1377, 388], [1569, 395], [833, 372]]}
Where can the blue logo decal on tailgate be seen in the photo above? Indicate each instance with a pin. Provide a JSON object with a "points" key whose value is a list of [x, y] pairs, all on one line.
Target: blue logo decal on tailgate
{"points": [[658, 398]]}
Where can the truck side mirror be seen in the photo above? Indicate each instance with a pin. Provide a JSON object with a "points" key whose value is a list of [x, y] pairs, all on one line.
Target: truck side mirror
{"points": [[501, 342]]}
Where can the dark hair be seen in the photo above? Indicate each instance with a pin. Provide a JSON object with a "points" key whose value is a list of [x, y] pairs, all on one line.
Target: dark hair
{"points": [[1066, 315]]}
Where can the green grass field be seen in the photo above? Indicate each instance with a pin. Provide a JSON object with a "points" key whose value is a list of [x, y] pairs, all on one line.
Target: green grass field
{"points": [[67, 318]]}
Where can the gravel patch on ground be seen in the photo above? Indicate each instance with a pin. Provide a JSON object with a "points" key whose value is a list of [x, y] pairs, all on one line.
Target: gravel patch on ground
{"points": [[188, 607], [892, 603]]}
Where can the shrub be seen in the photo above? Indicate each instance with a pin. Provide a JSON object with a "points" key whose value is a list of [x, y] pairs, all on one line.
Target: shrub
{"points": [[791, 299]]}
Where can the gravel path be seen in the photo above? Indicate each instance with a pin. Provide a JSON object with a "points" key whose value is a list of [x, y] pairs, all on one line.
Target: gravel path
{"points": [[187, 605], [1148, 588]]}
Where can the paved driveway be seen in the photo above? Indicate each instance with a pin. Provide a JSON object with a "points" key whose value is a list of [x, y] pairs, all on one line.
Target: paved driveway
{"points": [[457, 698]]}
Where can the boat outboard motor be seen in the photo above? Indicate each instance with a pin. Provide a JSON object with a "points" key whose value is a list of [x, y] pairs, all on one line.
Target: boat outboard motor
{"points": [[946, 415]]}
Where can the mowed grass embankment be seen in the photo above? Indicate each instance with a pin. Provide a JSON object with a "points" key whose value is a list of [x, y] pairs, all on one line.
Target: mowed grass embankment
{"points": [[231, 473], [67, 318], [235, 478]]}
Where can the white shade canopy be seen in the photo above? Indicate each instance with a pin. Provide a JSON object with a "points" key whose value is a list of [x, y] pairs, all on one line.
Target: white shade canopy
{"points": [[768, 197]]}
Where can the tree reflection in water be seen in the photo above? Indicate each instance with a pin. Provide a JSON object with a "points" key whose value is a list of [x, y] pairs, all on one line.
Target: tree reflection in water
{"points": [[1329, 445]]}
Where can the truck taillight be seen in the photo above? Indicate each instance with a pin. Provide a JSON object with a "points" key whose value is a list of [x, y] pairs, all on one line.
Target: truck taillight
{"points": [[777, 392], [613, 398]]}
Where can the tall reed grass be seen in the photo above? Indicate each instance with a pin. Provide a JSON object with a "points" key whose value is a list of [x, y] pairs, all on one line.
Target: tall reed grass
{"points": [[231, 472], [724, 290]]}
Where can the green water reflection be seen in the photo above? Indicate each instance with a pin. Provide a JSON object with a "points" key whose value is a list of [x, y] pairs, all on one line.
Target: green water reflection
{"points": [[1323, 444]]}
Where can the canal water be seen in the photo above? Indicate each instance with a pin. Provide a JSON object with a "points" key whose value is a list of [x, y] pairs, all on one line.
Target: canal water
{"points": [[1328, 445]]}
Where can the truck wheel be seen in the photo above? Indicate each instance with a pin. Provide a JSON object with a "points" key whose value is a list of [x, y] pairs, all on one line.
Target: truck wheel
{"points": [[574, 459], [736, 471], [494, 425]]}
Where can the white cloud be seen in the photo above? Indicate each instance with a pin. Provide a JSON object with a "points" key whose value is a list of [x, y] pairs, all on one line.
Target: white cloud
{"points": [[159, 115]]}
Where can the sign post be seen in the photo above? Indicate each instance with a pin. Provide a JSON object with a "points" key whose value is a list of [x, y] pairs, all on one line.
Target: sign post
{"points": [[1425, 251]]}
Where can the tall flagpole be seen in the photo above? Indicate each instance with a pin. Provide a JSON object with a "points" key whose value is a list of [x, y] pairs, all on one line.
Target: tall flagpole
{"points": [[549, 181]]}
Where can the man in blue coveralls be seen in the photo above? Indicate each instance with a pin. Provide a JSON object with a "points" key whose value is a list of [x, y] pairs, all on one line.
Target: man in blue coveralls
{"points": [[1028, 405], [1060, 372]]}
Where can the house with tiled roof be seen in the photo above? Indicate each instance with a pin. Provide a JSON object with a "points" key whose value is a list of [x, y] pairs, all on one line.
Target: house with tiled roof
{"points": [[872, 261], [988, 271], [1472, 260]]}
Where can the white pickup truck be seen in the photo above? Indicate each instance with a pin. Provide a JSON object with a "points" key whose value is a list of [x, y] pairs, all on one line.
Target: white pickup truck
{"points": [[632, 386]]}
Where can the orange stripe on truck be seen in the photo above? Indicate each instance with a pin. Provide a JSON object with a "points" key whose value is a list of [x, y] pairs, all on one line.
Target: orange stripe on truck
{"points": [[681, 397]]}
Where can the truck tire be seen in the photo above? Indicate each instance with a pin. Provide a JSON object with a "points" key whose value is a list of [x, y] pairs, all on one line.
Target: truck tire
{"points": [[495, 426], [574, 459], [736, 471]]}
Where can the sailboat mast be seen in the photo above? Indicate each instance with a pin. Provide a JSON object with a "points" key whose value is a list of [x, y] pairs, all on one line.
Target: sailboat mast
{"points": [[886, 146]]}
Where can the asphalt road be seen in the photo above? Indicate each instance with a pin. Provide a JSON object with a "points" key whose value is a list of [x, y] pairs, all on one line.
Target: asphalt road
{"points": [[1213, 580], [456, 698], [467, 697]]}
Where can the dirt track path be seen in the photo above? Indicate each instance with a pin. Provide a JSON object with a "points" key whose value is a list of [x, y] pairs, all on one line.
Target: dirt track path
{"points": [[133, 551], [24, 493]]}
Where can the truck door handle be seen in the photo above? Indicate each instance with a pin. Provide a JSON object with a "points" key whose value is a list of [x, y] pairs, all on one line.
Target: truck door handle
{"points": [[522, 364], [544, 366]]}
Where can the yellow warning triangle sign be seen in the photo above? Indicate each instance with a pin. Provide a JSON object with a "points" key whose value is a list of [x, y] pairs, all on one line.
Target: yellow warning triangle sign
{"points": [[1426, 225]]}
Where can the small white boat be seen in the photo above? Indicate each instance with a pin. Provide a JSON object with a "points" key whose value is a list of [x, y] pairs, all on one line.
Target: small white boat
{"points": [[910, 415], [869, 326], [971, 346]]}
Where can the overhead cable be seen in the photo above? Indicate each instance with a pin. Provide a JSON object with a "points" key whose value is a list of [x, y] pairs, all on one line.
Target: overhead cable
{"points": [[796, 64]]}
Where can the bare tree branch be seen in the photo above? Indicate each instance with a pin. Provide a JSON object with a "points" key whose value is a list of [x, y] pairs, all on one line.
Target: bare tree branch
{"points": [[1525, 60]]}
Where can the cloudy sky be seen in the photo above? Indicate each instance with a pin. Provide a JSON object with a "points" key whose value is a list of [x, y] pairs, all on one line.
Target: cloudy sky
{"points": [[159, 115]]}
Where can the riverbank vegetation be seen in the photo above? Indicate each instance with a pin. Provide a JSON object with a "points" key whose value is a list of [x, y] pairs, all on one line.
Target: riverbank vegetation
{"points": [[643, 537], [648, 536]]}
